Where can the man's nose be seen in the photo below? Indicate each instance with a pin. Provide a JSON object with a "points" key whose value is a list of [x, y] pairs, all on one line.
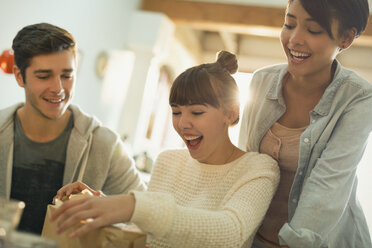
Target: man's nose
{"points": [[56, 86]]}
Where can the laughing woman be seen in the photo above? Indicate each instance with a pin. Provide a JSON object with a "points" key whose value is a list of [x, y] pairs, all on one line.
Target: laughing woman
{"points": [[314, 117], [209, 195]]}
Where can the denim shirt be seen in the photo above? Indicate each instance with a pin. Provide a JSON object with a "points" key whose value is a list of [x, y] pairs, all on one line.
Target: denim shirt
{"points": [[323, 207]]}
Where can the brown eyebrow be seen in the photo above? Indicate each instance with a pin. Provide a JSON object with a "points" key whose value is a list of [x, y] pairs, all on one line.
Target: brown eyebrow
{"points": [[49, 71], [42, 71], [191, 104], [307, 19]]}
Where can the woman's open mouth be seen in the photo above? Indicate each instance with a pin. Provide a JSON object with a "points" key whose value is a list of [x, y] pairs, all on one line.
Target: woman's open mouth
{"points": [[193, 142], [299, 56]]}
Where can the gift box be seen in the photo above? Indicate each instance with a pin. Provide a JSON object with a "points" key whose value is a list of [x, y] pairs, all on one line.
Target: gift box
{"points": [[114, 236]]}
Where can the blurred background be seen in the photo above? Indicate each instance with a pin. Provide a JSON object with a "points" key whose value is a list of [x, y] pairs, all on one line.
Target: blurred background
{"points": [[130, 51]]}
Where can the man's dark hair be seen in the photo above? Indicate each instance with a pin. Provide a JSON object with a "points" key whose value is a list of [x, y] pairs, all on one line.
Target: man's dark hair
{"points": [[38, 39]]}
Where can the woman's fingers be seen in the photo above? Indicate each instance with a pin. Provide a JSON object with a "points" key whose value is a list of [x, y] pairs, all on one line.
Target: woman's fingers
{"points": [[69, 219], [91, 224], [65, 206], [95, 211]]}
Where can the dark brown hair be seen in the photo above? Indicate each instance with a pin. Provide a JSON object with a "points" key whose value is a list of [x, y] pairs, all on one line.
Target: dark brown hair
{"points": [[349, 14], [37, 39], [210, 84]]}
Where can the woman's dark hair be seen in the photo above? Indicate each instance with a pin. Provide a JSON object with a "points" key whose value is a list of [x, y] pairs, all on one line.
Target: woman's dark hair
{"points": [[210, 84], [37, 39], [349, 14]]}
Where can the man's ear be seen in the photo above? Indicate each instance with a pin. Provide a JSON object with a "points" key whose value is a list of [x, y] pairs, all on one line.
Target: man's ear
{"points": [[18, 76], [347, 38]]}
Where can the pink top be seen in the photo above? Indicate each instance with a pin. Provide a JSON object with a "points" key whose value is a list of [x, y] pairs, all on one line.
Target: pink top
{"points": [[281, 143]]}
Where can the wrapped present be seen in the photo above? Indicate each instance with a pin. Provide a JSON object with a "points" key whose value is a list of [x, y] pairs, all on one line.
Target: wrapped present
{"points": [[114, 236]]}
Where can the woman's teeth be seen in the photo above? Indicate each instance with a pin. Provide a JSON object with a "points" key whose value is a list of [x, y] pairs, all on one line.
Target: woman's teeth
{"points": [[193, 140], [191, 137], [299, 55]]}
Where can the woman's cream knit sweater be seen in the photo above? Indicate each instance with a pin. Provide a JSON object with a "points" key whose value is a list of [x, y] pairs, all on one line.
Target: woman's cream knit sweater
{"points": [[190, 204]]}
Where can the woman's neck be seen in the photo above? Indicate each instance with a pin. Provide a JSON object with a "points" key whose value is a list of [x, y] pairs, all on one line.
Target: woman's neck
{"points": [[313, 84]]}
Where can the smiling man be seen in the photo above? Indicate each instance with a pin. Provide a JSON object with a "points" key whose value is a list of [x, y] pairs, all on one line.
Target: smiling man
{"points": [[46, 142]]}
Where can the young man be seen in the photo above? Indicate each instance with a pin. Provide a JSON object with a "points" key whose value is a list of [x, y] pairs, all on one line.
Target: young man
{"points": [[47, 142]]}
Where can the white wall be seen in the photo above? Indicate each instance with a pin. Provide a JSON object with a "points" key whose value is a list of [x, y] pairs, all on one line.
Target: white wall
{"points": [[97, 26]]}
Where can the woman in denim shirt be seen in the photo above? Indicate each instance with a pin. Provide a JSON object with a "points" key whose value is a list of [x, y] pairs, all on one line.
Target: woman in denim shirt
{"points": [[314, 117]]}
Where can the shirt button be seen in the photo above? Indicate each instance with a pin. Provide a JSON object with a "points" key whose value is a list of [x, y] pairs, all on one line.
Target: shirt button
{"points": [[306, 140], [294, 200], [300, 173], [313, 121]]}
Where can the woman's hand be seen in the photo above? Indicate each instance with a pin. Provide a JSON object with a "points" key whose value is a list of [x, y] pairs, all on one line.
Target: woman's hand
{"points": [[98, 211], [74, 188]]}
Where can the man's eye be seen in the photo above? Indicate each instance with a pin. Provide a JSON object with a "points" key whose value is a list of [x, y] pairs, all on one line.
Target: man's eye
{"points": [[42, 77], [198, 113], [176, 113], [67, 76]]}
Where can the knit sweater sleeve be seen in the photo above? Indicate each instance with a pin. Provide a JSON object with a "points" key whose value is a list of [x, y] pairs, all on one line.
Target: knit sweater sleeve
{"points": [[230, 225]]}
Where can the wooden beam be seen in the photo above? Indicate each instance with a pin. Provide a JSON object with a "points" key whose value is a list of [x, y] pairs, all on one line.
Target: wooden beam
{"points": [[216, 13], [219, 16]]}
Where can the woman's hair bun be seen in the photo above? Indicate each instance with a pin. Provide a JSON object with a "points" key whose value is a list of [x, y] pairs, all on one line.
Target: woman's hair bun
{"points": [[228, 61]]}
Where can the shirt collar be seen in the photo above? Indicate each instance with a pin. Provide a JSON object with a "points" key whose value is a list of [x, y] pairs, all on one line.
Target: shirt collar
{"points": [[323, 106]]}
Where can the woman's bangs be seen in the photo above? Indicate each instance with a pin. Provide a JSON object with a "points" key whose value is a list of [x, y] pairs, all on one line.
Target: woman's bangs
{"points": [[193, 87]]}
